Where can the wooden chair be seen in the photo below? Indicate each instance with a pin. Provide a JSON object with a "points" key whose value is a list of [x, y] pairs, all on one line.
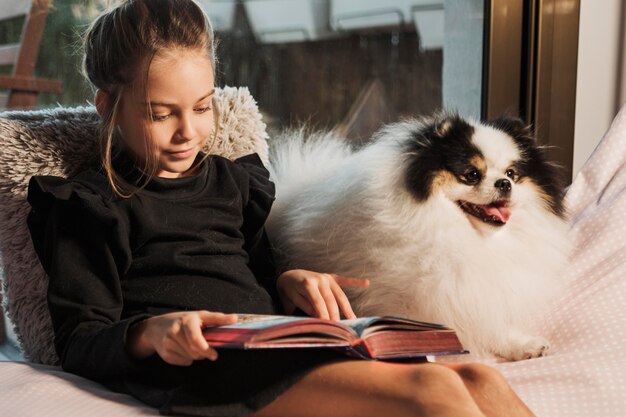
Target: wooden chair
{"points": [[22, 86]]}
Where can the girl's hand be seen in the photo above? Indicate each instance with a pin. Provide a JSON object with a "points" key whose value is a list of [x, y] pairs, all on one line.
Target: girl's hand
{"points": [[176, 337], [318, 295]]}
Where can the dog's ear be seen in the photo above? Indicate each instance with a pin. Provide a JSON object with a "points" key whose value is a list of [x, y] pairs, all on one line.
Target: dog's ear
{"points": [[521, 133], [443, 127], [513, 126], [451, 125], [534, 162]]}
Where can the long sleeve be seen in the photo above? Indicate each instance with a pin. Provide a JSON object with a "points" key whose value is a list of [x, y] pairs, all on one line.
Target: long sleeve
{"points": [[79, 242], [258, 196]]}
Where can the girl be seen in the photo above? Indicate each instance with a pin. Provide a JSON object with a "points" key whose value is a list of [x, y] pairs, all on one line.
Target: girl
{"points": [[138, 251]]}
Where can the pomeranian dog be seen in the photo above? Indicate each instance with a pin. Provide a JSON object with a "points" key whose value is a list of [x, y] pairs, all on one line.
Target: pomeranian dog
{"points": [[452, 221]]}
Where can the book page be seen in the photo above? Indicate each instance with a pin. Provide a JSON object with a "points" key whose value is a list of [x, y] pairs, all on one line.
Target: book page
{"points": [[273, 330], [262, 321]]}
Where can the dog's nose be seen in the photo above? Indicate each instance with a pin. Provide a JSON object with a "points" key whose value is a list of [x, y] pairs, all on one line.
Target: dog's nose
{"points": [[503, 185]]}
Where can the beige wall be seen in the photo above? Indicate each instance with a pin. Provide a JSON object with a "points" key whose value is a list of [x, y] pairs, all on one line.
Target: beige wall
{"points": [[601, 79]]}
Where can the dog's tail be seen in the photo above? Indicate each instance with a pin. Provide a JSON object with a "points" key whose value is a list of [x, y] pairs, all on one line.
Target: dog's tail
{"points": [[298, 157]]}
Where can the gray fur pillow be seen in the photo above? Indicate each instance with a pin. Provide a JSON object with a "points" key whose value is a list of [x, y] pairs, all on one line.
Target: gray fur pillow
{"points": [[63, 142]]}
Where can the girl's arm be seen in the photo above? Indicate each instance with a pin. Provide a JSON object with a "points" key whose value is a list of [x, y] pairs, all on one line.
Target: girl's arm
{"points": [[261, 261], [78, 242], [257, 193]]}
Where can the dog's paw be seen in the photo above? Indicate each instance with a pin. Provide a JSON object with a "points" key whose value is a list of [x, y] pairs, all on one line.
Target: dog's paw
{"points": [[525, 348]]}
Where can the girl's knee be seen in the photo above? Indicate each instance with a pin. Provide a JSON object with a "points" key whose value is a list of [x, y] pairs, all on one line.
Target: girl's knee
{"points": [[438, 390], [477, 374], [429, 374]]}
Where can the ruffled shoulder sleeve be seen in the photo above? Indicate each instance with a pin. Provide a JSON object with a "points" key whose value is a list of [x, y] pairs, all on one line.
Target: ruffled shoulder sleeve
{"points": [[257, 189], [87, 189], [48, 193]]}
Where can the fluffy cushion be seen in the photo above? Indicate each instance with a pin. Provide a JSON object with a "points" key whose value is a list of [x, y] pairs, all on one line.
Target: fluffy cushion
{"points": [[63, 142]]}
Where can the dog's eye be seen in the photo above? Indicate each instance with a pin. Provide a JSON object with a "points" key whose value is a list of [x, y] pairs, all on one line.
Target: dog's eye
{"points": [[511, 173], [472, 176]]}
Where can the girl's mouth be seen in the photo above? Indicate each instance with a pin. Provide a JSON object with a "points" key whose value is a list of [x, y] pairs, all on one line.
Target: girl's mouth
{"points": [[181, 154]]}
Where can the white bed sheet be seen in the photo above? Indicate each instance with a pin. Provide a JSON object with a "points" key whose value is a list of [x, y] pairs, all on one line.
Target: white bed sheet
{"points": [[583, 376], [28, 390]]}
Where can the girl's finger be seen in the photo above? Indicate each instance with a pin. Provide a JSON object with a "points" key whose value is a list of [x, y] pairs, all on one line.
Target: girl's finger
{"points": [[175, 358], [330, 301], [196, 344], [212, 354], [174, 350], [351, 282], [313, 296], [216, 319], [344, 303], [303, 304], [196, 354], [213, 319]]}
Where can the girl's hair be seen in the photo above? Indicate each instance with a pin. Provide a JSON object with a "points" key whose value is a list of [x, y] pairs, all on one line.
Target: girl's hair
{"points": [[119, 48]]}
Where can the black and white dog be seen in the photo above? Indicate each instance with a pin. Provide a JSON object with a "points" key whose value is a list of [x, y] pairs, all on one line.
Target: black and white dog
{"points": [[452, 221]]}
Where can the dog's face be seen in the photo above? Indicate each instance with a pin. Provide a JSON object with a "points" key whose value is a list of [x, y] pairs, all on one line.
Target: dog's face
{"points": [[486, 170]]}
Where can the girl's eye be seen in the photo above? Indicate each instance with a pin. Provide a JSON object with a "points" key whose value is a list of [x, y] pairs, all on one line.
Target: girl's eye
{"points": [[203, 109], [159, 117], [163, 117]]}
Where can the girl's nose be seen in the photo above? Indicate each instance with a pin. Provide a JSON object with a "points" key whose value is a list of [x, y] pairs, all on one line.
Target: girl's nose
{"points": [[186, 129]]}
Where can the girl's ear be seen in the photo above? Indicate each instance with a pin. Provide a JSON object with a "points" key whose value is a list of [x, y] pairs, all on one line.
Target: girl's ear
{"points": [[102, 102]]}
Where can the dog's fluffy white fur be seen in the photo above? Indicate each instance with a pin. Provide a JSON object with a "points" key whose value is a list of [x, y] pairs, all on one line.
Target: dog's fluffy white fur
{"points": [[379, 213]]}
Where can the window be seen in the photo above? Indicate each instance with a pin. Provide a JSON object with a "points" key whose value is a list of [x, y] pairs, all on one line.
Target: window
{"points": [[344, 64]]}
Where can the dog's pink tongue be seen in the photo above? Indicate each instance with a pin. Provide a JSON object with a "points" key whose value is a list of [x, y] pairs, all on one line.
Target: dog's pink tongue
{"points": [[501, 212]]}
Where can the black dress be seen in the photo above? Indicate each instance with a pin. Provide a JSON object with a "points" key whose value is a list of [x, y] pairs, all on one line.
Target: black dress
{"points": [[193, 243]]}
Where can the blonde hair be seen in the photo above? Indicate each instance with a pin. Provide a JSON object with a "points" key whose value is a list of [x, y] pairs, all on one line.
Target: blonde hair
{"points": [[122, 42]]}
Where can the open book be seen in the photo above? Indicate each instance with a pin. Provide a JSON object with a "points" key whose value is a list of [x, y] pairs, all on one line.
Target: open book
{"points": [[383, 338]]}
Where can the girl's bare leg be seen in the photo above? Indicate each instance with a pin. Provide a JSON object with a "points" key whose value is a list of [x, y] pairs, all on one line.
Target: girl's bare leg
{"points": [[487, 386], [362, 388]]}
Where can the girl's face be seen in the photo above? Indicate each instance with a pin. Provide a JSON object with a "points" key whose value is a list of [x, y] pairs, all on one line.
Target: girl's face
{"points": [[180, 88]]}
